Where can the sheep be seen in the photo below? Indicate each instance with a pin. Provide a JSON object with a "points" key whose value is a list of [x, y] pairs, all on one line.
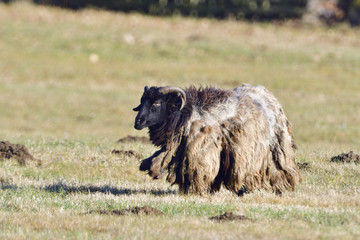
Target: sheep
{"points": [[210, 137]]}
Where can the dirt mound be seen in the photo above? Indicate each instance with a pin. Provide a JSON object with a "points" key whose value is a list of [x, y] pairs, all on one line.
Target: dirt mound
{"points": [[304, 165], [145, 210], [17, 151], [130, 138], [229, 216], [349, 157], [130, 153]]}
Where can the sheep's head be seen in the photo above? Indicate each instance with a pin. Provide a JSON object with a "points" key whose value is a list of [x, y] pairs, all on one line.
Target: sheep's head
{"points": [[157, 103]]}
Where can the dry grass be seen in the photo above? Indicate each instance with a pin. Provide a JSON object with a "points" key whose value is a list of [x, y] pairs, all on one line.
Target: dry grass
{"points": [[68, 82]]}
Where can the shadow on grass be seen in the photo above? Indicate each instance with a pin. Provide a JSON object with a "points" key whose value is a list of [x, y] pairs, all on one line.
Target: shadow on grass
{"points": [[63, 188], [66, 189], [8, 187]]}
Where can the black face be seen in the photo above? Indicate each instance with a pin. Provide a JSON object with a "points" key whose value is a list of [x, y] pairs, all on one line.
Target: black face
{"points": [[150, 113]]}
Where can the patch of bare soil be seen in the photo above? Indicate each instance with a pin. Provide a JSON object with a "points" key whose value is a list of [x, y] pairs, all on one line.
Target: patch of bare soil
{"points": [[304, 165], [229, 216], [129, 153], [349, 157], [145, 210], [130, 138], [17, 151]]}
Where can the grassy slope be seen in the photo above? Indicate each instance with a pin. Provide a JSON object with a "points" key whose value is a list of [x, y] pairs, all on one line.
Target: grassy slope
{"points": [[69, 112]]}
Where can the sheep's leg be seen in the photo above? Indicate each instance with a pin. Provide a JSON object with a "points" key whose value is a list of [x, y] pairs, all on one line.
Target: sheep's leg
{"points": [[152, 164], [200, 160], [155, 163]]}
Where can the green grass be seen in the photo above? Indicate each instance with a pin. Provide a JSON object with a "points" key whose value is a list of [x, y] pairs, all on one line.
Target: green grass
{"points": [[69, 112]]}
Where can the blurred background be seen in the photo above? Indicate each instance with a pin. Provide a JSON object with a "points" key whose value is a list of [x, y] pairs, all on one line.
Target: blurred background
{"points": [[311, 11], [75, 69]]}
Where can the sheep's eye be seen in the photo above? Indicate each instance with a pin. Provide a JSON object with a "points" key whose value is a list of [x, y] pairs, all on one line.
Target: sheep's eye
{"points": [[155, 106]]}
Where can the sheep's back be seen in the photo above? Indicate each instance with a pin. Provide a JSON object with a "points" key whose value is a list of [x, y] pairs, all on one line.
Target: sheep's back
{"points": [[211, 105], [269, 106]]}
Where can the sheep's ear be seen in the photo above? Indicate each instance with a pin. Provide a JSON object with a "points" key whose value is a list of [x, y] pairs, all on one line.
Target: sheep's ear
{"points": [[137, 108]]}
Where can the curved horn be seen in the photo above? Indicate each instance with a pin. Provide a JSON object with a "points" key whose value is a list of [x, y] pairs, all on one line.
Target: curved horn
{"points": [[172, 89]]}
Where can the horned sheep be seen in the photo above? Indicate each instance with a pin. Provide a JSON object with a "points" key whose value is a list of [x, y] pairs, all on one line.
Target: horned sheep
{"points": [[210, 137]]}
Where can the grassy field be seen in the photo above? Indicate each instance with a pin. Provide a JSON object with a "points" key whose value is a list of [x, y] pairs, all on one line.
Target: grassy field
{"points": [[69, 81]]}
